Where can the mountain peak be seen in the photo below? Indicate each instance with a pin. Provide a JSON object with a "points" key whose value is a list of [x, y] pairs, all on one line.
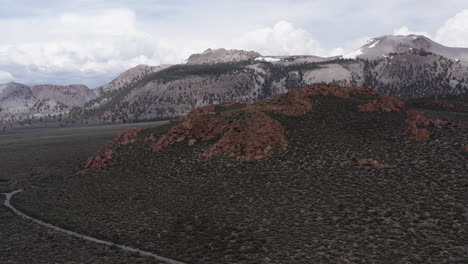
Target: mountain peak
{"points": [[212, 56], [383, 46]]}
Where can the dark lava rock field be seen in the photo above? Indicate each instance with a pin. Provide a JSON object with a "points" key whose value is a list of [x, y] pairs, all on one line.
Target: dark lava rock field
{"points": [[310, 203]]}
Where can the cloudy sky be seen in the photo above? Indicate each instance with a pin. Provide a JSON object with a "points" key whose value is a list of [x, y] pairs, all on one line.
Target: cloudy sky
{"points": [[92, 41]]}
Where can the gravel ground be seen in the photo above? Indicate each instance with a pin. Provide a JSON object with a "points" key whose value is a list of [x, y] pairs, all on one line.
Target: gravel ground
{"points": [[309, 204]]}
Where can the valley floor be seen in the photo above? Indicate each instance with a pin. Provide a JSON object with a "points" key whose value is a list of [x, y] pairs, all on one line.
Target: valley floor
{"points": [[32, 159], [311, 203]]}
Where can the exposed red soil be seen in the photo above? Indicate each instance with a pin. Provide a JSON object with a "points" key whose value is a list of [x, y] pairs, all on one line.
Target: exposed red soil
{"points": [[373, 163], [103, 157], [384, 103]]}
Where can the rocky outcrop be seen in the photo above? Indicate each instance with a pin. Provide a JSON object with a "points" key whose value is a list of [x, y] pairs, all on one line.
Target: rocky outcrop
{"points": [[210, 56], [246, 131], [384, 103], [415, 129], [374, 163], [103, 156]]}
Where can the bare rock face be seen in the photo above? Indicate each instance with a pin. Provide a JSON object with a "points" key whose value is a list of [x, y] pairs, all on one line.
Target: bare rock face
{"points": [[71, 95], [222, 56], [103, 156], [384, 103]]}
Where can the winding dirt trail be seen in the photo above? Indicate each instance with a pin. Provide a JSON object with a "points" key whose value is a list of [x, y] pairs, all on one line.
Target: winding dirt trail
{"points": [[8, 204]]}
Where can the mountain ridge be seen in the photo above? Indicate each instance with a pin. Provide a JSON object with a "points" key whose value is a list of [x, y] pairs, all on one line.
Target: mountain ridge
{"points": [[401, 66]]}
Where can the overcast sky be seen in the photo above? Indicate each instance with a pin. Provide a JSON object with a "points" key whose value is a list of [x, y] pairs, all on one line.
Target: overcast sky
{"points": [[92, 41]]}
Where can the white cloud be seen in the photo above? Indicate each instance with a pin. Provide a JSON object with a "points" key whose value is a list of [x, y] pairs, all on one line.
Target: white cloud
{"points": [[283, 39], [455, 31], [93, 47], [405, 31], [5, 77], [84, 45]]}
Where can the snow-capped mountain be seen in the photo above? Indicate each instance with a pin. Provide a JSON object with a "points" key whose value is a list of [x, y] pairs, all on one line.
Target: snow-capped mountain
{"points": [[402, 66], [406, 67], [387, 45]]}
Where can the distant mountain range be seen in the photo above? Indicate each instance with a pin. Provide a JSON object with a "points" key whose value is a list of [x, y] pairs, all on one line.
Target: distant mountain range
{"points": [[21, 102], [402, 66]]}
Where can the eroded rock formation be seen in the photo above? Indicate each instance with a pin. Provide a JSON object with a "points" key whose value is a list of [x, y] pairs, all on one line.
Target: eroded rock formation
{"points": [[384, 103]]}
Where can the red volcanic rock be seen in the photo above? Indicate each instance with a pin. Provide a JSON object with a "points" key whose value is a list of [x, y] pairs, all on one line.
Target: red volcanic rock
{"points": [[384, 103], [248, 133], [296, 102], [418, 118], [437, 103], [103, 157], [373, 163], [464, 147], [192, 127], [252, 136], [338, 91], [414, 130], [461, 125], [245, 133], [293, 103], [417, 134]]}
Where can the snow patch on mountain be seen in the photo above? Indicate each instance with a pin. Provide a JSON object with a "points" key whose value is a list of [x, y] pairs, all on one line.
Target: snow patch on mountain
{"points": [[353, 55]]}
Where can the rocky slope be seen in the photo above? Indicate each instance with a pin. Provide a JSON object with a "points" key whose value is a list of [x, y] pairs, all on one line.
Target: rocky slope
{"points": [[15, 98], [126, 78], [405, 67], [340, 174], [70, 95], [18, 104]]}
